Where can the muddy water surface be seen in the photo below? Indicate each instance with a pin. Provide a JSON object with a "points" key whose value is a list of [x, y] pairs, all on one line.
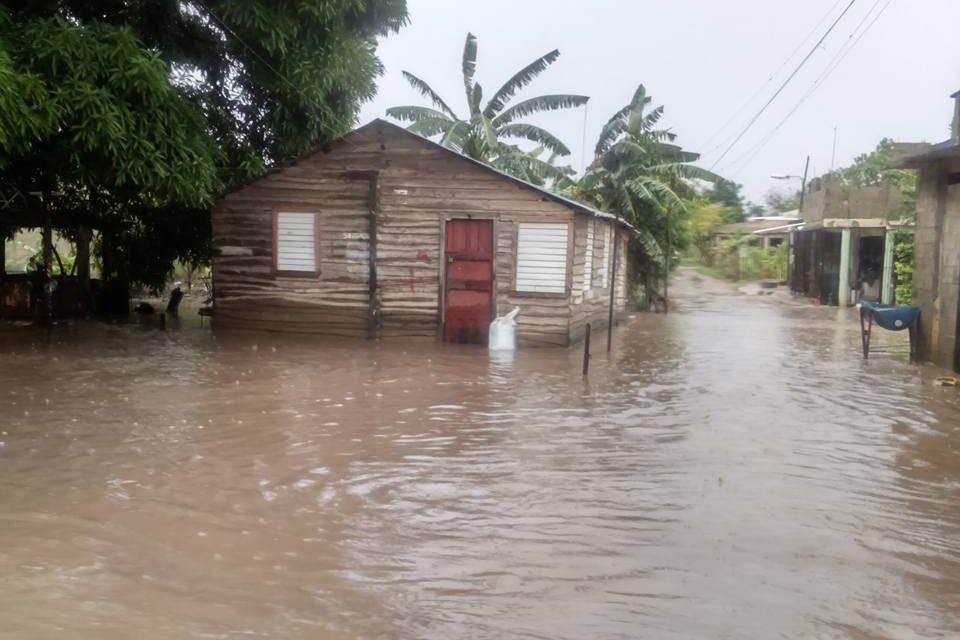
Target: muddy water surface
{"points": [[733, 470]]}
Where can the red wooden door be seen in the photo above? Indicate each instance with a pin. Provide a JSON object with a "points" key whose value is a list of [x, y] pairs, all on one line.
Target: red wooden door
{"points": [[469, 280]]}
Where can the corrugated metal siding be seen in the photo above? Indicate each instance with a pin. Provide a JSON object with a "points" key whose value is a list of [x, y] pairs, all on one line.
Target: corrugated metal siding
{"points": [[296, 242], [542, 257]]}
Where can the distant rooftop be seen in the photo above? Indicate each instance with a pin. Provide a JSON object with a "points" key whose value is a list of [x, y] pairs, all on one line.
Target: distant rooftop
{"points": [[758, 223]]}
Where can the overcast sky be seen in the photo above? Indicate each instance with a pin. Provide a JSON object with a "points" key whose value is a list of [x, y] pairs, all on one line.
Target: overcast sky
{"points": [[703, 60]]}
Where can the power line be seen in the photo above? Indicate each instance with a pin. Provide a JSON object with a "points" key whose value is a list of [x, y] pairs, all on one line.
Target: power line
{"points": [[266, 62], [838, 58], [748, 155], [742, 107], [784, 84]]}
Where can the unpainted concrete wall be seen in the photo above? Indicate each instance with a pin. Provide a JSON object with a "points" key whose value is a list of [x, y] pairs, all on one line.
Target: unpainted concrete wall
{"points": [[936, 276], [826, 198]]}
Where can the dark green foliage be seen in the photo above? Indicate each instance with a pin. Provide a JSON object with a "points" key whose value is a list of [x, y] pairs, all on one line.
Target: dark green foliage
{"points": [[484, 133], [878, 167], [903, 268], [726, 193], [141, 112], [105, 117], [641, 175], [779, 202]]}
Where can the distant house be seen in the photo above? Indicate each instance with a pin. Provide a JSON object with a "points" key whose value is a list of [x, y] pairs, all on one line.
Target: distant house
{"points": [[763, 231], [936, 275], [845, 243], [385, 234]]}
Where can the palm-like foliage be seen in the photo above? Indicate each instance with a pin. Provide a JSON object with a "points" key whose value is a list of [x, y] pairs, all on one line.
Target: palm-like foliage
{"points": [[485, 133], [640, 174]]}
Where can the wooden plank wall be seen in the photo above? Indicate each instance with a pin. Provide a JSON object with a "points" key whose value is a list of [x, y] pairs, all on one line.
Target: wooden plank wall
{"points": [[247, 292], [592, 304], [419, 188]]}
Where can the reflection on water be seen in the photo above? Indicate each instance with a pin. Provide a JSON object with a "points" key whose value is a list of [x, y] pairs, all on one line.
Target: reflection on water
{"points": [[733, 470]]}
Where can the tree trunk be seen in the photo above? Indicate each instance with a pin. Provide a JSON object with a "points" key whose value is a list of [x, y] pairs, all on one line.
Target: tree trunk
{"points": [[3, 265], [47, 295], [82, 266]]}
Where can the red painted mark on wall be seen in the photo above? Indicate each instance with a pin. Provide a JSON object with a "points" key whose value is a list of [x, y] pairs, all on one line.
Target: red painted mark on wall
{"points": [[422, 256], [413, 279]]}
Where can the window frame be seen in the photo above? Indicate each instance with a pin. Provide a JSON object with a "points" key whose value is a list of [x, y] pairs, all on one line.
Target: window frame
{"points": [[567, 260], [287, 273]]}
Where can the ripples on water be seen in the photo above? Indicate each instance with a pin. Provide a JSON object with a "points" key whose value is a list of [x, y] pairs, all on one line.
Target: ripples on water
{"points": [[732, 471]]}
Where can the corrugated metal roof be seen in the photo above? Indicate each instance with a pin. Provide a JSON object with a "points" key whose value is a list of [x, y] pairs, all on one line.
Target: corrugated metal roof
{"points": [[753, 225], [787, 228]]}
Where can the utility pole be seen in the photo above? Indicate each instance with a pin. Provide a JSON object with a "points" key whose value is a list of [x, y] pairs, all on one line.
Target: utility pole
{"points": [[803, 184], [666, 268], [833, 153], [583, 141], [613, 282]]}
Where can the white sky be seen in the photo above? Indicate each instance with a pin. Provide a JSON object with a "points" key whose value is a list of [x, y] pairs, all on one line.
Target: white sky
{"points": [[702, 59]]}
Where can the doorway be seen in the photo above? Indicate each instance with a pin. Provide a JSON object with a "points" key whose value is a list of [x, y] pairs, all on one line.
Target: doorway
{"points": [[468, 281]]}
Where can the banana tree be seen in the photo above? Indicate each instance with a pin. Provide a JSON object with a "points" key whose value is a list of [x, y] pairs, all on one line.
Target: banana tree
{"points": [[491, 128], [641, 175]]}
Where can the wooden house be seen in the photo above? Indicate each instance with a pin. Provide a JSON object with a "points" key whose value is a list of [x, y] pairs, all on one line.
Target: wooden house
{"points": [[385, 233]]}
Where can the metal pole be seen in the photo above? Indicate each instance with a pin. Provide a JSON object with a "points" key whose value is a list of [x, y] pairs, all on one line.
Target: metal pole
{"points": [[803, 184], [613, 282], [833, 153], [47, 239], [586, 349], [666, 267], [583, 142]]}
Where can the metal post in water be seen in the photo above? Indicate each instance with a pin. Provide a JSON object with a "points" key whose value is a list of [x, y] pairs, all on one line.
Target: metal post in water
{"points": [[613, 283], [586, 349]]}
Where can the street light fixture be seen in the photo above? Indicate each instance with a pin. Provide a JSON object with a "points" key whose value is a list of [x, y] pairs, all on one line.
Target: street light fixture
{"points": [[802, 179]]}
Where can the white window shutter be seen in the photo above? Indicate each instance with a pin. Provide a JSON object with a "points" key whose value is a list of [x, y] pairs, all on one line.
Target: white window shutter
{"points": [[542, 257], [296, 242]]}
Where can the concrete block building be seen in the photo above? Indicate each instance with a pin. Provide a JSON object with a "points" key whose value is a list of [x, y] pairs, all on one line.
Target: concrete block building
{"points": [[844, 248], [936, 276]]}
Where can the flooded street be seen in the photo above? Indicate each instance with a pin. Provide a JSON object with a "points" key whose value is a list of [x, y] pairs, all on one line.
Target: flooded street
{"points": [[734, 470]]}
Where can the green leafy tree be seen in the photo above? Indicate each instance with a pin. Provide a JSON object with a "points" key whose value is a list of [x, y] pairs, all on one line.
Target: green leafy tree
{"points": [[141, 113], [485, 133], [638, 173], [880, 167], [780, 202], [726, 194], [704, 218], [903, 268]]}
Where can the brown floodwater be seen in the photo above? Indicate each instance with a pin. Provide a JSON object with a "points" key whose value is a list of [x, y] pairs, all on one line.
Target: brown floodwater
{"points": [[733, 470]]}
